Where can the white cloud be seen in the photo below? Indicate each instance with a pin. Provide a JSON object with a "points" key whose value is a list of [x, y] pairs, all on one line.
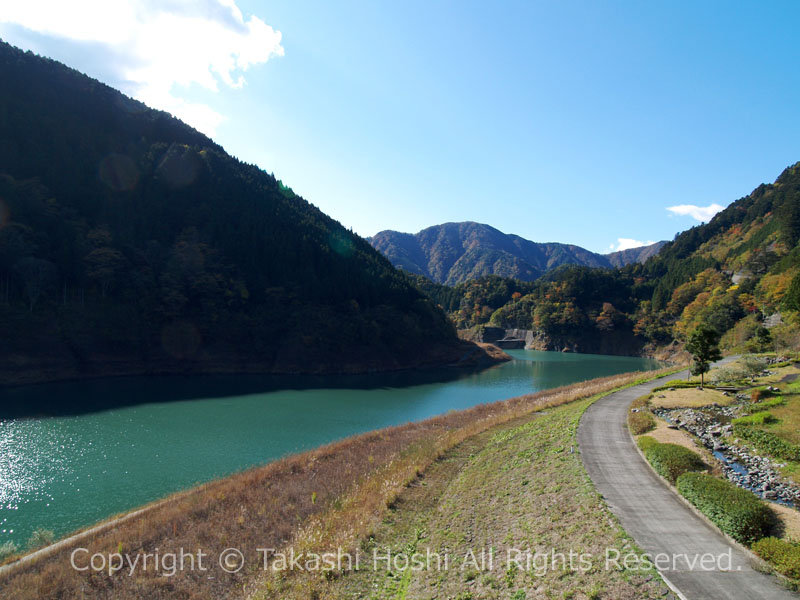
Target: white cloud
{"points": [[699, 213], [628, 243], [166, 46]]}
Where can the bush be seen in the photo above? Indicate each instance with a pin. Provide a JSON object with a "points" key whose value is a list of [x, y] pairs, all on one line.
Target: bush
{"points": [[641, 422], [737, 512], [678, 384], [41, 537], [646, 442], [7, 549], [753, 365], [757, 418], [727, 375], [767, 442], [781, 554], [671, 460], [771, 403]]}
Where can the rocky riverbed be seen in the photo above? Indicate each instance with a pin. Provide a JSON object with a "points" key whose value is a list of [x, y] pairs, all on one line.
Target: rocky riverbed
{"points": [[711, 425]]}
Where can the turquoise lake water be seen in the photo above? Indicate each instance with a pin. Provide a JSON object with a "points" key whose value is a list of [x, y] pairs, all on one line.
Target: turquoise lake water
{"points": [[165, 434]]}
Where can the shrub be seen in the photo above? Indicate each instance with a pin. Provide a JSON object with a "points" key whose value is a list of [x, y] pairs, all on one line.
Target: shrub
{"points": [[781, 554], [771, 403], [737, 512], [767, 442], [7, 549], [646, 442], [41, 537], [641, 422], [671, 460], [727, 375], [757, 418], [753, 365], [678, 384]]}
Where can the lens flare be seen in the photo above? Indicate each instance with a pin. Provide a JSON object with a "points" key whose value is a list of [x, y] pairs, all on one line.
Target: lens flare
{"points": [[118, 172], [341, 243], [179, 167]]}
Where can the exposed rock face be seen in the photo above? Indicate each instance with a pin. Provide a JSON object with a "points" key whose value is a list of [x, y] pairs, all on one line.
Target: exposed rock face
{"points": [[617, 343], [773, 320]]}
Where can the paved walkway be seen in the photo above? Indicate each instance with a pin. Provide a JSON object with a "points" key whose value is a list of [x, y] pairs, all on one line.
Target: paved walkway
{"points": [[652, 513]]}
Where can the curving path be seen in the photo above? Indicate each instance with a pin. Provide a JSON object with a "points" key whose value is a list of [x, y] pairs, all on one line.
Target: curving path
{"points": [[655, 516]]}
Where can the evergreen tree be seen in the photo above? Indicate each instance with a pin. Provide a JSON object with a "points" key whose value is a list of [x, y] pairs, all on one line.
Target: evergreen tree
{"points": [[792, 299], [703, 345]]}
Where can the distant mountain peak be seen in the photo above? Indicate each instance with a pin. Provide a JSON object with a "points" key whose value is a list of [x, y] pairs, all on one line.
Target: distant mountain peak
{"points": [[454, 252], [640, 254]]}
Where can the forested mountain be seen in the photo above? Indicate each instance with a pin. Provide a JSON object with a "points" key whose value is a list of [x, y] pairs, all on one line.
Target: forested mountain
{"points": [[453, 253], [740, 273], [621, 258], [129, 242]]}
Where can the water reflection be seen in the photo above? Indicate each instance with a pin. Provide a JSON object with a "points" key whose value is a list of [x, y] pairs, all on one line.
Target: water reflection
{"points": [[119, 443]]}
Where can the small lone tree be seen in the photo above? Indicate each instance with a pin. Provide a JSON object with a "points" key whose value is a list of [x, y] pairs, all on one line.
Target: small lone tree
{"points": [[703, 345]]}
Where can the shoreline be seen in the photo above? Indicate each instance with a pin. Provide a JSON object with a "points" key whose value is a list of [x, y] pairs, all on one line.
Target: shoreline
{"points": [[300, 469], [470, 356]]}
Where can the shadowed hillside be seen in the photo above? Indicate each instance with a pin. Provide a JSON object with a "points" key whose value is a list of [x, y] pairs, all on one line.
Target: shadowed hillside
{"points": [[130, 243]]}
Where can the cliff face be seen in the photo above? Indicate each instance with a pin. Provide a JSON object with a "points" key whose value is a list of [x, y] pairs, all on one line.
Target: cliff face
{"points": [[617, 343]]}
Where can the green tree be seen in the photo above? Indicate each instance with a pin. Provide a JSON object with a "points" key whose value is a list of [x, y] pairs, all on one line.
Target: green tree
{"points": [[38, 277], [703, 345], [763, 339], [790, 221], [104, 264], [792, 299]]}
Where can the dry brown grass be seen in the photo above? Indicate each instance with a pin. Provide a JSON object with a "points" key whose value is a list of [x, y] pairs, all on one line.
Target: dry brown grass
{"points": [[689, 398], [642, 420], [662, 433], [330, 497], [790, 521]]}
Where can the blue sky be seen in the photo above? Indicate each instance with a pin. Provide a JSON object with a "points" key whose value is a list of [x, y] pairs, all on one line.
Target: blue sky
{"points": [[578, 122]]}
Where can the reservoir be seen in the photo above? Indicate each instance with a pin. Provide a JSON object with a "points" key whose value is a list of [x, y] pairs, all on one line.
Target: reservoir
{"points": [[74, 453]]}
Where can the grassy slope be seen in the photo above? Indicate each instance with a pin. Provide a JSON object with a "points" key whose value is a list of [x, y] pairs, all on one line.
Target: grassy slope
{"points": [[787, 416], [335, 496], [519, 485]]}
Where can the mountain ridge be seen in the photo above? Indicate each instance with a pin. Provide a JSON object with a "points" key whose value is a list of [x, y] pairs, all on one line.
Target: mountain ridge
{"points": [[454, 252], [131, 243], [739, 274]]}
